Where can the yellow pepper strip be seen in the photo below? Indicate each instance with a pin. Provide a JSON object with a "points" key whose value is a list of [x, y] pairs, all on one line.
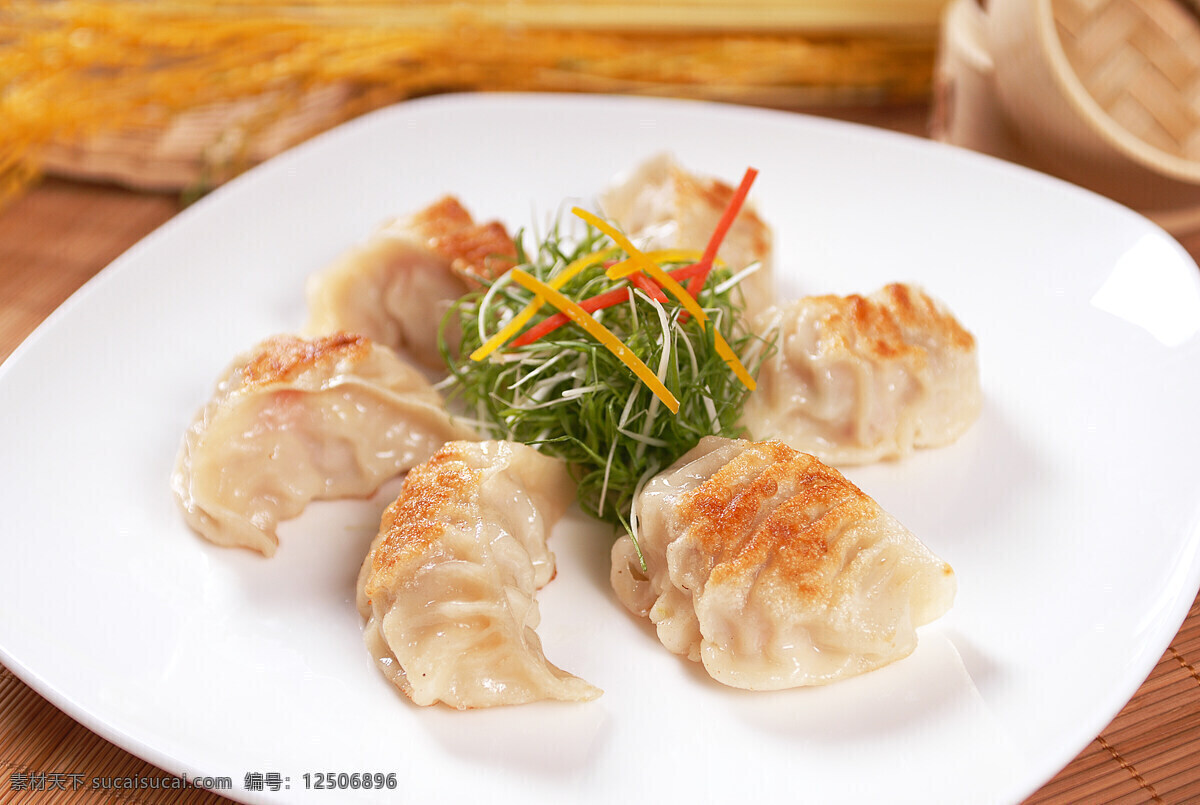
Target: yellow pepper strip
{"points": [[630, 265], [637, 260], [598, 331], [662, 256], [510, 330]]}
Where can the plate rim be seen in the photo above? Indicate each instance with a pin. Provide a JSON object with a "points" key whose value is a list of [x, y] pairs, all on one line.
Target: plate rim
{"points": [[68, 703]]}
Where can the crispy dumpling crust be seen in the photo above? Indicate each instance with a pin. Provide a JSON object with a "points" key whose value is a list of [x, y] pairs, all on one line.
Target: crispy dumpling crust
{"points": [[475, 251], [899, 320], [660, 205], [295, 420], [773, 570], [726, 513], [284, 358], [857, 378], [448, 586], [395, 287]]}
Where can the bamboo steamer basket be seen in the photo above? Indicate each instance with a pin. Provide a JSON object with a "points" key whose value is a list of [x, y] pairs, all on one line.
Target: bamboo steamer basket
{"points": [[1103, 93]]}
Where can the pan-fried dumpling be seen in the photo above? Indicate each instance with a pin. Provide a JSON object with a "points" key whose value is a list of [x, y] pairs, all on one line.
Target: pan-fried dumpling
{"points": [[395, 288], [448, 586], [773, 570], [858, 379], [662, 206], [298, 420]]}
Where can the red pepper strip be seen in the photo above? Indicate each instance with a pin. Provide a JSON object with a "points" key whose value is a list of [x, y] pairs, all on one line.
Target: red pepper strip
{"points": [[649, 286], [642, 281], [601, 301], [552, 323], [727, 218]]}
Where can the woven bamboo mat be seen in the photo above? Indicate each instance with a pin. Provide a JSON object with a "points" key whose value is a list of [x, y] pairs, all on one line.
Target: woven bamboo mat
{"points": [[1150, 753], [45, 756], [1151, 750], [55, 238]]}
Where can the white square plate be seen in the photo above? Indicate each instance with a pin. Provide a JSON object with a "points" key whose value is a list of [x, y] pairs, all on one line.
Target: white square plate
{"points": [[1070, 511]]}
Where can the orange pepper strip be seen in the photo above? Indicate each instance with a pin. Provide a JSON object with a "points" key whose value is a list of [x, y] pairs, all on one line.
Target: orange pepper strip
{"points": [[638, 261], [600, 333], [522, 318]]}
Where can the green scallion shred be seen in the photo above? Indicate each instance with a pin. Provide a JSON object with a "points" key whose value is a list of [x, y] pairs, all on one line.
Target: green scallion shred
{"points": [[567, 395]]}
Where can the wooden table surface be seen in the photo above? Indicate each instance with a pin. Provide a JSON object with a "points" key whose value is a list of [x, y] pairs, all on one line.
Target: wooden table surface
{"points": [[58, 235]]}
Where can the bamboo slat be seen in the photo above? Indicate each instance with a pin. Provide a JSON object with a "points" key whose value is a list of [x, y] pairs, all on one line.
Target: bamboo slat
{"points": [[57, 236], [59, 764], [1149, 753], [1140, 61], [1151, 750]]}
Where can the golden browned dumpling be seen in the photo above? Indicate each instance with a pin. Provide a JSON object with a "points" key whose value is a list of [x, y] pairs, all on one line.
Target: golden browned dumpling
{"points": [[773, 570], [448, 586], [662, 206], [395, 287], [297, 420], [858, 379]]}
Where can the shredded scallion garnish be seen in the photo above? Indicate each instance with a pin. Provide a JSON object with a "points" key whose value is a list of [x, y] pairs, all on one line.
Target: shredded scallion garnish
{"points": [[571, 396]]}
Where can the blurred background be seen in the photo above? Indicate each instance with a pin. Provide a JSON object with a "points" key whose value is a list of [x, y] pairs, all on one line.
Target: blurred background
{"points": [[115, 114], [180, 95]]}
